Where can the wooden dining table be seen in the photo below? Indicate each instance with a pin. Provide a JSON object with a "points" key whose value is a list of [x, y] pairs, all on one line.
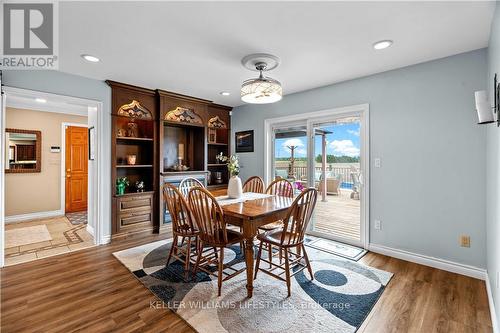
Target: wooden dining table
{"points": [[250, 215]]}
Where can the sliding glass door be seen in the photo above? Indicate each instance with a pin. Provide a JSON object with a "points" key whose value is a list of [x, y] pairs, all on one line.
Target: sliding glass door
{"points": [[325, 153], [335, 158]]}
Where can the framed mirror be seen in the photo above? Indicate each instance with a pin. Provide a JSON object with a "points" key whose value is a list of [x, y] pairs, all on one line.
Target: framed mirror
{"points": [[24, 151]]}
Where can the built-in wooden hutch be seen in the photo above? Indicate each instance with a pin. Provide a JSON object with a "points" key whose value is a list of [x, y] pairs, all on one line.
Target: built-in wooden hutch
{"points": [[157, 137]]}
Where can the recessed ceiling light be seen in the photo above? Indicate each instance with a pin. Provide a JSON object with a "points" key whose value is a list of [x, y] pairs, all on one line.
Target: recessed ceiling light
{"points": [[225, 93], [90, 58], [41, 100], [383, 44]]}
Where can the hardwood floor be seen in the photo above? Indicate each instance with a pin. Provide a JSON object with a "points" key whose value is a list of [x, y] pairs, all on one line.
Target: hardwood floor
{"points": [[90, 291]]}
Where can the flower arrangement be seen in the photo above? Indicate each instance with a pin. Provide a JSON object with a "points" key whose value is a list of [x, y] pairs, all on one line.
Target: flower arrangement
{"points": [[299, 186], [232, 163]]}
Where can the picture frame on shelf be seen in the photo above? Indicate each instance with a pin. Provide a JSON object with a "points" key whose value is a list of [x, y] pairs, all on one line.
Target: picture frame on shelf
{"points": [[212, 135], [244, 141]]}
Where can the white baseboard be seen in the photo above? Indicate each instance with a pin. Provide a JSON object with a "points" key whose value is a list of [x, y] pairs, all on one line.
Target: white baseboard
{"points": [[33, 216], [446, 265], [90, 229], [494, 321], [106, 239]]}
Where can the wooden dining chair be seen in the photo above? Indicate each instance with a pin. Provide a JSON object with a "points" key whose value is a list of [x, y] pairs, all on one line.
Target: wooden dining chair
{"points": [[187, 184], [209, 218], [254, 184], [182, 226], [282, 187], [291, 236]]}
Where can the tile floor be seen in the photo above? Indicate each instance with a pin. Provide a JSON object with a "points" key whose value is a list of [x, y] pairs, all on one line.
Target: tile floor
{"points": [[65, 238]]}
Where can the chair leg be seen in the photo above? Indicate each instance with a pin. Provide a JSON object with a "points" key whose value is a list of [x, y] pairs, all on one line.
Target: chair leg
{"points": [[221, 269], [216, 255], [306, 258], [174, 244], [257, 264], [298, 252], [198, 258], [287, 272], [188, 255], [270, 253]]}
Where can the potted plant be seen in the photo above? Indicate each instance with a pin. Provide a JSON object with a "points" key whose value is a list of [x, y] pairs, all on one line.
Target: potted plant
{"points": [[234, 187], [121, 184]]}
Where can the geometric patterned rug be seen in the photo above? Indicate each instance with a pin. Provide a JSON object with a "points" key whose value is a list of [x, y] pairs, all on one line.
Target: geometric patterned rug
{"points": [[339, 298], [77, 217]]}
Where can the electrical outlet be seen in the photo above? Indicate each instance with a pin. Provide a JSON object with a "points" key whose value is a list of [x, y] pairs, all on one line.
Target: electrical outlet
{"points": [[465, 241], [377, 162], [378, 225]]}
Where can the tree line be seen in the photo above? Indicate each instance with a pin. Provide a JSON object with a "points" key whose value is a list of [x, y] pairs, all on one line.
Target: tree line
{"points": [[329, 159]]}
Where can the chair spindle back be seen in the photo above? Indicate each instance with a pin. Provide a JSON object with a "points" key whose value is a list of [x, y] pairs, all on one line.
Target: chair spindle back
{"points": [[298, 217], [254, 184], [208, 216]]}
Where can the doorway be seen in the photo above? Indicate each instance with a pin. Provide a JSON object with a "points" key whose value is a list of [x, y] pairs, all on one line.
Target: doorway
{"points": [[337, 176], [75, 168], [327, 150], [52, 156]]}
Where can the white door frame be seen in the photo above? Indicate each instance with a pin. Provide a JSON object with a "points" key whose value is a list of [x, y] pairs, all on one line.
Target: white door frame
{"points": [[2, 173], [17, 97], [361, 110]]}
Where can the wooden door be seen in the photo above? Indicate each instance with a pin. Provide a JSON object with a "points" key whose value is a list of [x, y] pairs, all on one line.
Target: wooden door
{"points": [[76, 168]]}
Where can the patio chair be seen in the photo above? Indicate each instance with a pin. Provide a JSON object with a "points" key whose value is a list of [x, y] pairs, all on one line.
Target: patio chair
{"points": [[332, 184]]}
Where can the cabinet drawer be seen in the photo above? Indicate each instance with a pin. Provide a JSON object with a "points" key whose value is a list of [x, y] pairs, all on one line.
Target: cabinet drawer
{"points": [[128, 219], [134, 203]]}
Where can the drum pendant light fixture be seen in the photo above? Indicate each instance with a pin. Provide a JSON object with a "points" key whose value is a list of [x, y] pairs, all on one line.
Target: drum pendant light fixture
{"points": [[261, 90]]}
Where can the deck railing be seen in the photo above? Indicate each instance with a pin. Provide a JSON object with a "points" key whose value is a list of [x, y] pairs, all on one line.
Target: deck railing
{"points": [[300, 172]]}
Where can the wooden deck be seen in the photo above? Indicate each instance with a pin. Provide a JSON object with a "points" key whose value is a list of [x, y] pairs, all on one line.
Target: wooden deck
{"points": [[339, 216]]}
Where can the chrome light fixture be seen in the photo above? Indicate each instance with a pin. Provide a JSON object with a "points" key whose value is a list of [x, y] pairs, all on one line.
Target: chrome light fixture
{"points": [[262, 90]]}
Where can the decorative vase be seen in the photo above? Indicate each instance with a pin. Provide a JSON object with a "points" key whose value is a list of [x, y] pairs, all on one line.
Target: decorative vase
{"points": [[120, 189], [234, 188], [131, 159]]}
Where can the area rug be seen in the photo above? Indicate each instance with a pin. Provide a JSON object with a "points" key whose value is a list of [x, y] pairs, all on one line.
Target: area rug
{"points": [[344, 250], [77, 217], [26, 235], [337, 300]]}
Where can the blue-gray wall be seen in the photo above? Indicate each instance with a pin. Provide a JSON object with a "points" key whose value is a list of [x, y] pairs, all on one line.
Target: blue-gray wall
{"points": [[493, 169], [430, 189], [72, 85]]}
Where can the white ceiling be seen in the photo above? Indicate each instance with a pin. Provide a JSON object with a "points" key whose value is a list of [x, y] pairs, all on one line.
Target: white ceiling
{"points": [[196, 48]]}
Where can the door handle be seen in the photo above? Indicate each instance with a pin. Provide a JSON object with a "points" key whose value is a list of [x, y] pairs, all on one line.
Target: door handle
{"points": [[68, 176]]}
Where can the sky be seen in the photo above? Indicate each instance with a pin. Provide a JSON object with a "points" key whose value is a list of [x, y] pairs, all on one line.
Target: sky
{"points": [[343, 141]]}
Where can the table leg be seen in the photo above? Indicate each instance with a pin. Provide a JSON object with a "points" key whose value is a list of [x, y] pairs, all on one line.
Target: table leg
{"points": [[250, 264]]}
